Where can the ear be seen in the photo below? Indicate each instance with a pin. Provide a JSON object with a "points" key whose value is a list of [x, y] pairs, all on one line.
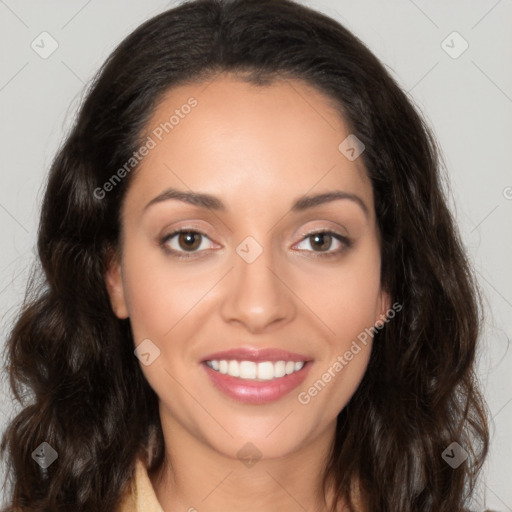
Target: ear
{"points": [[115, 286], [383, 307]]}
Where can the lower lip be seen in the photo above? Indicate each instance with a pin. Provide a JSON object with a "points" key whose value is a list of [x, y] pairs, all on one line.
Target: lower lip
{"points": [[256, 392]]}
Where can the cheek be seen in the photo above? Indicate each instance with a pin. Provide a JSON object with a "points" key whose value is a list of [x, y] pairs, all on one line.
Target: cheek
{"points": [[159, 292], [346, 298], [348, 304], [162, 307]]}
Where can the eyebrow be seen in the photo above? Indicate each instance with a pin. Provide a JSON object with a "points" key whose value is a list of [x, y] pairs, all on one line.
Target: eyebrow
{"points": [[211, 202]]}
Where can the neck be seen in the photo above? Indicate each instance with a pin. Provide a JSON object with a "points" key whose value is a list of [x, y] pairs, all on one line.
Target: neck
{"points": [[194, 477]]}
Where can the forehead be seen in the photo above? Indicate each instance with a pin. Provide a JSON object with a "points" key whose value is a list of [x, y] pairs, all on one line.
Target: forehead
{"points": [[247, 142]]}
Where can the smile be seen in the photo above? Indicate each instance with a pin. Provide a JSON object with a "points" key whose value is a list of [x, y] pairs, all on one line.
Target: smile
{"points": [[256, 383], [261, 371]]}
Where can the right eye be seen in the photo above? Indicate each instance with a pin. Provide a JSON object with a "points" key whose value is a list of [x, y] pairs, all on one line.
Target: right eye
{"points": [[183, 241]]}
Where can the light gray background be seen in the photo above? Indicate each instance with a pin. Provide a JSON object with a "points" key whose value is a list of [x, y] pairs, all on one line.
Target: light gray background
{"points": [[467, 100]]}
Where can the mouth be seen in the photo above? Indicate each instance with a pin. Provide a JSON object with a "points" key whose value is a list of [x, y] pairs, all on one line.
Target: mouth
{"points": [[256, 376], [251, 370]]}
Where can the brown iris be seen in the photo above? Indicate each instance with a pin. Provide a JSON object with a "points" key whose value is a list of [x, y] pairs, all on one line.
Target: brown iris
{"points": [[189, 240], [322, 241]]}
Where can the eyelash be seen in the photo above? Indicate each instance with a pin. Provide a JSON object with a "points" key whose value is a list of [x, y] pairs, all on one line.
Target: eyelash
{"points": [[184, 255]]}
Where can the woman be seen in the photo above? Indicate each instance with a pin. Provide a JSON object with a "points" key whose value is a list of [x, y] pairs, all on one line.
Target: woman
{"points": [[254, 295]]}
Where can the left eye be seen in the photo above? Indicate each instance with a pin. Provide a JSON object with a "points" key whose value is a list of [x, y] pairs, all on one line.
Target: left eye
{"points": [[322, 241]]}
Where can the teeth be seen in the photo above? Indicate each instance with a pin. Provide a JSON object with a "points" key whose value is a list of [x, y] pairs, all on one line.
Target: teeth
{"points": [[233, 369], [290, 367], [248, 369], [265, 370], [279, 369]]}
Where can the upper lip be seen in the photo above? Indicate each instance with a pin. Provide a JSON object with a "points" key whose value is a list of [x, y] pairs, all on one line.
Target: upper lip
{"points": [[256, 355]]}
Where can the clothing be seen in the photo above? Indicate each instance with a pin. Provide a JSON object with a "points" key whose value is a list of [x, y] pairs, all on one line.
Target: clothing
{"points": [[140, 496]]}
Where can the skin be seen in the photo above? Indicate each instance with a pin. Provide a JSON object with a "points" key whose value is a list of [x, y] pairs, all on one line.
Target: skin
{"points": [[257, 149]]}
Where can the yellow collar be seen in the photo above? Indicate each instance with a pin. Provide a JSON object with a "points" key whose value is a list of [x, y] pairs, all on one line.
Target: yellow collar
{"points": [[140, 495]]}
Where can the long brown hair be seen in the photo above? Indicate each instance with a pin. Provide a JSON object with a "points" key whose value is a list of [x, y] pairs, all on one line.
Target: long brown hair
{"points": [[70, 360]]}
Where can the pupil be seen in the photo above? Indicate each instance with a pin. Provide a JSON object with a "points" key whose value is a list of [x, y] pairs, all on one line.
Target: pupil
{"points": [[323, 240], [188, 240]]}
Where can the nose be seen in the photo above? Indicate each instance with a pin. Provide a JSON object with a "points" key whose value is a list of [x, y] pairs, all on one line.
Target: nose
{"points": [[256, 295]]}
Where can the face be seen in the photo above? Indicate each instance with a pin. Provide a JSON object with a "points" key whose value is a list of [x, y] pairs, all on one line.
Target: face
{"points": [[248, 264]]}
